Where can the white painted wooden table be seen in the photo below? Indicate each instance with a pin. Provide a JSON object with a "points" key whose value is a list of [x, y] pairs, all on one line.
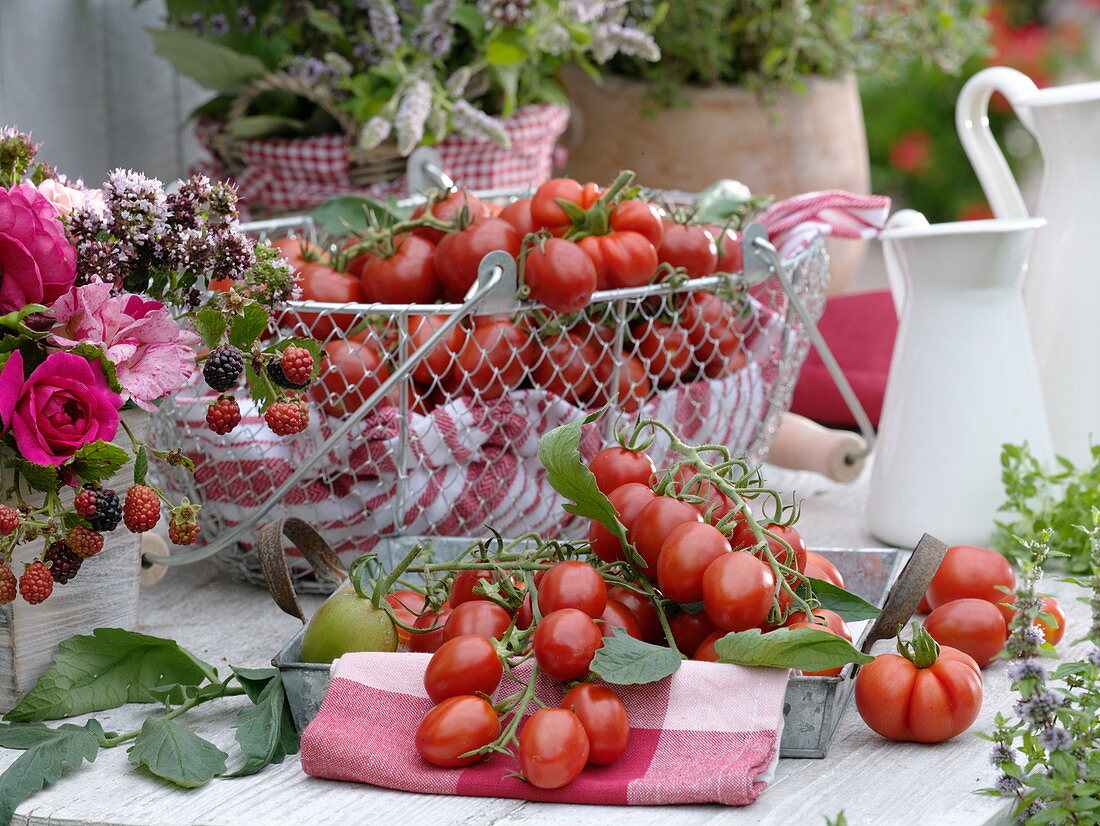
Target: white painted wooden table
{"points": [[874, 781]]}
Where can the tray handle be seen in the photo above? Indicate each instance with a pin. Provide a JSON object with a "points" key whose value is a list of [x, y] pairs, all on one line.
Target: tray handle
{"points": [[317, 552], [903, 599]]}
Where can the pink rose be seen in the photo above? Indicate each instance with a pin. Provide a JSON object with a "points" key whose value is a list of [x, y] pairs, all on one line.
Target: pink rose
{"points": [[66, 199], [152, 355], [63, 404], [37, 262]]}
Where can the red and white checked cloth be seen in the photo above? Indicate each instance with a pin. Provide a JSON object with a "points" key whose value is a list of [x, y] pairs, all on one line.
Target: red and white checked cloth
{"points": [[793, 223], [283, 175], [707, 734]]}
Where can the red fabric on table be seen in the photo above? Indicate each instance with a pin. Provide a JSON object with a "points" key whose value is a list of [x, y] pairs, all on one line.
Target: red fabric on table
{"points": [[860, 329], [703, 735]]}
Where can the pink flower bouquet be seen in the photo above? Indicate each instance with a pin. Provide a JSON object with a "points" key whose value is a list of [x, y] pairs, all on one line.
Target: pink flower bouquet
{"points": [[105, 303]]}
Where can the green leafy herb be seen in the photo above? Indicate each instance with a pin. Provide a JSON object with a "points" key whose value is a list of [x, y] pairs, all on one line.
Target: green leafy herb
{"points": [[105, 670], [853, 608], [172, 752], [43, 763], [805, 648], [623, 660], [208, 64]]}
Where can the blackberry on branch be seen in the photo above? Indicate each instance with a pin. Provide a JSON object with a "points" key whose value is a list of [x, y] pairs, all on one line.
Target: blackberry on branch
{"points": [[223, 369], [62, 561]]}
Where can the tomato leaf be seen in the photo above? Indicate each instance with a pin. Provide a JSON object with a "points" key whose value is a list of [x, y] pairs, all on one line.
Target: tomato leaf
{"points": [[172, 752], [559, 452], [44, 761], [805, 648], [845, 603], [265, 730], [107, 669], [623, 660]]}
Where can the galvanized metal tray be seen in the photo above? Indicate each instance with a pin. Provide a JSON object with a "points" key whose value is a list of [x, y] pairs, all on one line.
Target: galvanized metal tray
{"points": [[813, 705]]}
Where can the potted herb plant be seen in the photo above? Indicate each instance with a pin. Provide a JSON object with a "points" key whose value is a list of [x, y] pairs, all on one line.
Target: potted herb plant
{"points": [[758, 90], [315, 100]]}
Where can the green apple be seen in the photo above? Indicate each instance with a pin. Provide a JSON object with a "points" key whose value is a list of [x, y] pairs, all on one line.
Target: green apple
{"points": [[346, 622]]}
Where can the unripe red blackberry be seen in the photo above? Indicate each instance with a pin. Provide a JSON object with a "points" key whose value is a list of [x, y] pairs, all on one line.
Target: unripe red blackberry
{"points": [[287, 417], [297, 364], [9, 520], [84, 541], [8, 585], [142, 509], [223, 415], [36, 583]]}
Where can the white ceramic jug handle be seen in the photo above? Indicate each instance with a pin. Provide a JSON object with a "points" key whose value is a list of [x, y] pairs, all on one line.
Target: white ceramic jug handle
{"points": [[972, 122], [901, 218]]}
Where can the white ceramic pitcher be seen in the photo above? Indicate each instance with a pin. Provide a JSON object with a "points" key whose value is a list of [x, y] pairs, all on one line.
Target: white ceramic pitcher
{"points": [[962, 380], [1062, 289]]}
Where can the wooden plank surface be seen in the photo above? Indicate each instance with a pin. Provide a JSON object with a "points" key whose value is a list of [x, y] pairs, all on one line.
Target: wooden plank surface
{"points": [[224, 621]]}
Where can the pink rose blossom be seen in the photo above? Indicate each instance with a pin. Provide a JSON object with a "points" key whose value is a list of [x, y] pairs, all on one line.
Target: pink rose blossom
{"points": [[62, 405], [152, 355], [66, 199], [37, 262]]}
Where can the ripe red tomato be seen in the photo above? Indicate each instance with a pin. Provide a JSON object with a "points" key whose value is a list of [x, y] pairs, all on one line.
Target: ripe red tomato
{"points": [[352, 372], [430, 642], [1052, 633], [466, 664], [706, 652], [458, 254], [633, 386], [565, 643], [572, 584], [553, 748], [462, 586], [565, 367], [604, 718], [454, 727], [560, 275], [731, 254], [622, 259], [690, 247], [922, 607], [494, 359], [449, 208], [297, 251], [737, 591], [406, 277], [744, 539], [437, 364], [685, 554], [407, 606], [834, 624], [616, 615], [664, 348], [639, 217], [518, 214], [478, 617], [826, 570], [654, 523], [973, 626], [616, 466], [628, 499], [971, 573], [320, 282], [712, 329], [547, 213], [689, 631], [714, 504], [922, 705], [642, 608]]}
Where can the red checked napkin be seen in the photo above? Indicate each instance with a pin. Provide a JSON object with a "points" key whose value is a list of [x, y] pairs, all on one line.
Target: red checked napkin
{"points": [[704, 735]]}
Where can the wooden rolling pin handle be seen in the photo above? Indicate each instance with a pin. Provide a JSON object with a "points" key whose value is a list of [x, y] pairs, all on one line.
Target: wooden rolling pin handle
{"points": [[802, 444], [152, 543]]}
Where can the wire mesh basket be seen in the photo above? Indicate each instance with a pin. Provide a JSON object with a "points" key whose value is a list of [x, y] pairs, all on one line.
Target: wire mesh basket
{"points": [[451, 446]]}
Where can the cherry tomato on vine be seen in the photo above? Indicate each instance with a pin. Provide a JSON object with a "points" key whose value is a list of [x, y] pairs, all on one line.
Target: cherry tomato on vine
{"points": [[466, 664], [449, 208], [737, 591], [622, 259], [633, 386], [454, 727], [518, 214], [407, 606], [462, 586], [553, 748], [686, 553], [834, 625], [706, 652], [743, 538], [458, 254], [478, 617], [560, 276], [1048, 605], [616, 466], [320, 282], [430, 642], [826, 570], [494, 359], [642, 608], [564, 367], [604, 718], [565, 643], [639, 217], [406, 277], [654, 523], [548, 214], [616, 615], [714, 504], [731, 254], [970, 572], [690, 630], [437, 364], [572, 584], [712, 329], [628, 500], [689, 247], [353, 372], [297, 251], [973, 626], [664, 348]]}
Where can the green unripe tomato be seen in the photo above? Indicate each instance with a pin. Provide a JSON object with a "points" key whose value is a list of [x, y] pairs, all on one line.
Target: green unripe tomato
{"points": [[344, 623]]}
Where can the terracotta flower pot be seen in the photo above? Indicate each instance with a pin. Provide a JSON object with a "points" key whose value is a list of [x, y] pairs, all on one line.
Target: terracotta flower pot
{"points": [[800, 143]]}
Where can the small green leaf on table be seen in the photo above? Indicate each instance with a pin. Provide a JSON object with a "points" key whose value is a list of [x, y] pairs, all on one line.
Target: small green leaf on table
{"points": [[23, 735], [172, 752], [265, 731], [808, 649], [623, 660], [845, 603], [44, 761], [107, 669]]}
